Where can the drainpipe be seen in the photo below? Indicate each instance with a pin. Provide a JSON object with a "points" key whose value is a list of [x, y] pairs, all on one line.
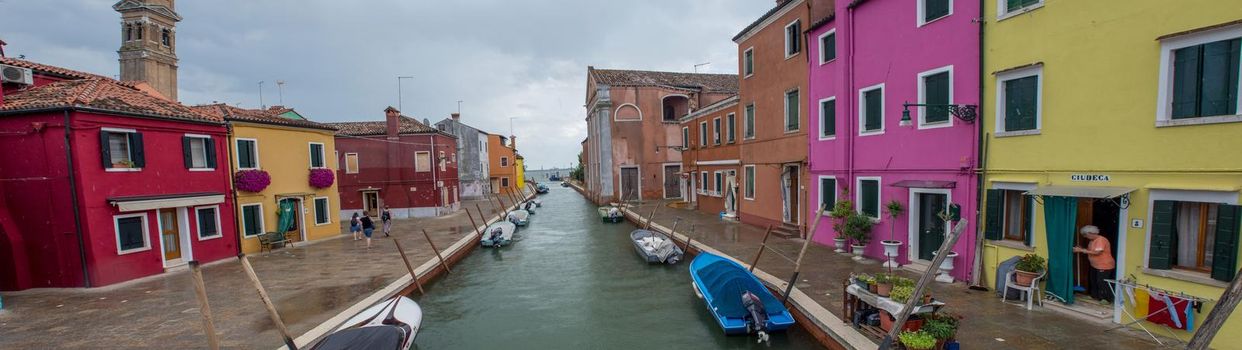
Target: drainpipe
{"points": [[435, 167], [73, 194], [228, 148], [980, 157], [850, 123]]}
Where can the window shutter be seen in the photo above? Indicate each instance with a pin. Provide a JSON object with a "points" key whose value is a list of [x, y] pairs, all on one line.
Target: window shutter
{"points": [[830, 118], [210, 150], [874, 108], [994, 215], [1160, 253], [1021, 103], [1225, 252], [186, 155], [933, 9], [1219, 76], [1186, 82], [105, 150], [135, 150], [1029, 220], [870, 197], [936, 90]]}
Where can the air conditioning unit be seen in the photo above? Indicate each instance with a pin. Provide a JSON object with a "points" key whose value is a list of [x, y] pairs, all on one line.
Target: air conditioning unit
{"points": [[13, 74]]}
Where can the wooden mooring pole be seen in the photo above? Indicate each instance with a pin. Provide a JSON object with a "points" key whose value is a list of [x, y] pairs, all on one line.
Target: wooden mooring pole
{"points": [[798, 264], [434, 249], [200, 291], [472, 224], [267, 303], [653, 211], [409, 267], [891, 338], [762, 246], [689, 238]]}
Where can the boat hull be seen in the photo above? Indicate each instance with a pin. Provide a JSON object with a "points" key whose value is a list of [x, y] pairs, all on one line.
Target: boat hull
{"points": [[717, 279], [604, 215], [670, 254], [393, 324], [506, 237]]}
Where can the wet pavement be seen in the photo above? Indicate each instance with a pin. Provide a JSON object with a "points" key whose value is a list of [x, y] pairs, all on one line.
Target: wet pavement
{"points": [[988, 323], [309, 283]]}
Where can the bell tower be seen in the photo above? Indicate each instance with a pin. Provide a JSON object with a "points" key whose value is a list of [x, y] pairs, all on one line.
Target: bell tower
{"points": [[148, 50]]}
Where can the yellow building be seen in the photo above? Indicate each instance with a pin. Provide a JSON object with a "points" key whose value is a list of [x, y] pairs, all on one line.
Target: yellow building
{"points": [[1121, 115], [520, 168], [289, 148]]}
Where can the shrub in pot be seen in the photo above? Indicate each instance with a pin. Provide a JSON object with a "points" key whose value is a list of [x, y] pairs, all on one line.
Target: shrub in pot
{"points": [[842, 210], [1029, 267], [917, 340], [884, 284], [858, 227], [943, 327], [901, 294], [894, 210]]}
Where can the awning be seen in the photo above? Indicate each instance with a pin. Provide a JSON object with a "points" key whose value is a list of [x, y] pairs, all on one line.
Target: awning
{"points": [[294, 195], [140, 203], [1081, 191], [924, 184]]}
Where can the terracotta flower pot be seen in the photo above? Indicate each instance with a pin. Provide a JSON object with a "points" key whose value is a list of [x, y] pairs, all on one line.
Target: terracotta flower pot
{"points": [[887, 320], [874, 288], [882, 289], [1025, 278]]}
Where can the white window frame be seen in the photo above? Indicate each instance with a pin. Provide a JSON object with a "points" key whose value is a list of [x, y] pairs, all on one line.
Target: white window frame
{"points": [[146, 232], [504, 181], [237, 153], [1021, 187], [797, 37], [358, 160], [879, 193], [1199, 196], [785, 121], [749, 121], [1164, 97], [999, 112], [862, 110], [504, 161], [717, 124], [205, 151], [820, 42], [327, 206], [442, 161], [922, 111], [323, 153], [127, 144], [430, 165], [753, 176], [922, 4], [820, 185], [820, 112], [703, 134], [685, 137], [242, 217], [1002, 13], [748, 56], [198, 223]]}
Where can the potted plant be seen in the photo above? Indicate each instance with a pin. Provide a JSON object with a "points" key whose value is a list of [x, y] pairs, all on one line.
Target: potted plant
{"points": [[917, 340], [901, 294], [913, 323], [252, 180], [883, 284], [1029, 267], [124, 163], [891, 245], [863, 281], [858, 227], [839, 213], [942, 327], [321, 178]]}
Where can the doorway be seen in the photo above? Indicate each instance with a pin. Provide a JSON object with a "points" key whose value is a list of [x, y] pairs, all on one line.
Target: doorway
{"points": [[929, 229], [170, 235], [290, 217], [789, 193], [370, 202], [672, 181], [1104, 214], [629, 184], [730, 193]]}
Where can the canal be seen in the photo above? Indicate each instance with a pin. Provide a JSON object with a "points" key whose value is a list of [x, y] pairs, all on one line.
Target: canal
{"points": [[569, 282]]}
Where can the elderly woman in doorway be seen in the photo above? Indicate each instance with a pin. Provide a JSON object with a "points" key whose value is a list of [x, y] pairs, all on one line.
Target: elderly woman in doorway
{"points": [[1103, 266]]}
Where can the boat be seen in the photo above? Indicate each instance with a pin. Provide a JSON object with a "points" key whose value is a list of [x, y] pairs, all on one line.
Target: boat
{"points": [[392, 324], [736, 298], [498, 234], [564, 184], [519, 217], [655, 247], [541, 188], [530, 206], [538, 203], [610, 214]]}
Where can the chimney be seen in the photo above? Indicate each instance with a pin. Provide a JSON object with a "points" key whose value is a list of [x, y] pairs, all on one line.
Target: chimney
{"points": [[456, 117], [393, 117], [513, 142]]}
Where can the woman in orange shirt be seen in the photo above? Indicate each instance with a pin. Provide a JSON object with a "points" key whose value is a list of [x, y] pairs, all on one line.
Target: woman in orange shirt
{"points": [[1103, 266]]}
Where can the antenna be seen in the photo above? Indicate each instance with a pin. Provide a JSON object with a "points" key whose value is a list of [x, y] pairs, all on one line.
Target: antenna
{"points": [[261, 105], [280, 89], [696, 67]]}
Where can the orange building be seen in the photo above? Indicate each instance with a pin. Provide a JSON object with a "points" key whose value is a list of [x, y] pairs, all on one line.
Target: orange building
{"points": [[503, 160], [710, 157]]}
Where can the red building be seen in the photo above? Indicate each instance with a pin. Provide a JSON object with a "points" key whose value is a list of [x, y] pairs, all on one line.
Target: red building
{"points": [[398, 163], [103, 182]]}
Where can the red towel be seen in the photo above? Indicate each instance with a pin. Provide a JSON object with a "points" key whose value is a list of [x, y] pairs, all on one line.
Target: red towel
{"points": [[1161, 311]]}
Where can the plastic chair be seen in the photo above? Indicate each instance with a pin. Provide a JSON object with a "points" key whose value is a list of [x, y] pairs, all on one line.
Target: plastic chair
{"points": [[1031, 293]]}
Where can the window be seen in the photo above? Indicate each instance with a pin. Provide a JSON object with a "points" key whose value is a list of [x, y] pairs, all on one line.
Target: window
{"points": [[166, 37], [719, 184], [252, 219], [351, 163], [443, 162], [198, 152], [931, 10], [129, 32], [322, 217], [828, 46], [716, 131], [749, 172], [871, 111], [1205, 79], [247, 154], [793, 39], [827, 192], [208, 222], [422, 161], [1196, 237], [827, 118], [131, 233], [1018, 101], [732, 127], [121, 149], [685, 137], [748, 129], [703, 182], [1010, 215], [316, 155], [1013, 7], [504, 182], [792, 105], [869, 196], [748, 62], [504, 161], [139, 30], [935, 88], [703, 134]]}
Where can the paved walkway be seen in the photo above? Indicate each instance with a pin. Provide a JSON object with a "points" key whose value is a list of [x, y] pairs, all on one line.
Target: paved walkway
{"points": [[309, 284], [988, 323]]}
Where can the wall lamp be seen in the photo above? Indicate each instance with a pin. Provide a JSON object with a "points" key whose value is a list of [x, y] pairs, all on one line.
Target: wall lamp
{"points": [[966, 113]]}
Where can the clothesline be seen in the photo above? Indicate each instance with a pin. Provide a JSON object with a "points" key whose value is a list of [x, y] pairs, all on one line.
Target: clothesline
{"points": [[1132, 284]]}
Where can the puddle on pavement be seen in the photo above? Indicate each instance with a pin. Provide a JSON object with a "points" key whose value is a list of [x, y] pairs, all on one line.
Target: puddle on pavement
{"points": [[320, 300]]}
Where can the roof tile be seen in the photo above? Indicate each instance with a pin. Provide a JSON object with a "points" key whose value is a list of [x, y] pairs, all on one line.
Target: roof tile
{"points": [[726, 83], [103, 94], [261, 116], [408, 126]]}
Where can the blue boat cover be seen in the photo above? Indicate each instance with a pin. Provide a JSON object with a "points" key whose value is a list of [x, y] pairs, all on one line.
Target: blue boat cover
{"points": [[374, 337], [724, 280]]}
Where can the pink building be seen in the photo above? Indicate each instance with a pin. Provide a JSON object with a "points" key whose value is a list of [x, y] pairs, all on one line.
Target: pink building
{"points": [[868, 59]]}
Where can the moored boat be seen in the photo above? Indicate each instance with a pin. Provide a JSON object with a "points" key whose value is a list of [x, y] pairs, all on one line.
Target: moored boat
{"points": [[498, 234], [610, 214], [519, 217], [530, 206], [736, 298], [655, 247], [392, 324], [541, 188]]}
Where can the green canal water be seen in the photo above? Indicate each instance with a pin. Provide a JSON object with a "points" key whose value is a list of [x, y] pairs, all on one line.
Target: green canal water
{"points": [[572, 282]]}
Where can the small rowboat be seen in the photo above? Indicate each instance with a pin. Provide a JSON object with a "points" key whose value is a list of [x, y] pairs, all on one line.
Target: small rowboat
{"points": [[541, 189], [498, 234], [736, 298], [655, 247], [392, 324], [611, 214], [530, 206], [519, 217]]}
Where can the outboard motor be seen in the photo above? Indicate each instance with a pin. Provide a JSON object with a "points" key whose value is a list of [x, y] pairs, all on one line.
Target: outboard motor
{"points": [[614, 212], [528, 205], [757, 317], [495, 235]]}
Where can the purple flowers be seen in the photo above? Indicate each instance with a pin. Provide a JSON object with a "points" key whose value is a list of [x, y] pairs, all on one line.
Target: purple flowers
{"points": [[252, 180], [321, 178]]}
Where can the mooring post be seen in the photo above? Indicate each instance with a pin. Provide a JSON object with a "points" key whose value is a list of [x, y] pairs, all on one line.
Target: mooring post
{"points": [[891, 337], [267, 302], [649, 217], [409, 267], [798, 264], [434, 249], [200, 291], [689, 238], [762, 246], [472, 224]]}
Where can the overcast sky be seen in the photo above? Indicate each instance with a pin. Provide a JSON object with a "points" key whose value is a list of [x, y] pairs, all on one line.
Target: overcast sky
{"points": [[504, 58]]}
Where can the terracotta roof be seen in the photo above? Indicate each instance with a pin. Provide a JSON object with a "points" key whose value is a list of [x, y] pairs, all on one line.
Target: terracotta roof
{"points": [[367, 128], [261, 116], [100, 94], [759, 20], [697, 81], [50, 70]]}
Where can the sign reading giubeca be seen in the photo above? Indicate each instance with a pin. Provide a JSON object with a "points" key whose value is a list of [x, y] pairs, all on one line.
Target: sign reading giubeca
{"points": [[1089, 178]]}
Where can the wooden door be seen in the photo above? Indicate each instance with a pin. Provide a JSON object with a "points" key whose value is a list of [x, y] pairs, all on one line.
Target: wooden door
{"points": [[370, 203], [672, 181], [931, 227], [629, 184], [170, 233]]}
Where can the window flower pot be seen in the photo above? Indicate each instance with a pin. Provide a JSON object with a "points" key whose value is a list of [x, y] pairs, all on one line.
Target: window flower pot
{"points": [[252, 180], [321, 178]]}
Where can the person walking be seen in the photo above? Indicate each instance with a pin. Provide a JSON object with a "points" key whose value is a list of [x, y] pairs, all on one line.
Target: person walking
{"points": [[355, 227], [386, 218], [368, 227], [1103, 266]]}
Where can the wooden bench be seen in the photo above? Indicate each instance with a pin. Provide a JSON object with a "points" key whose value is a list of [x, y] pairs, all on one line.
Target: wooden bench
{"points": [[267, 240]]}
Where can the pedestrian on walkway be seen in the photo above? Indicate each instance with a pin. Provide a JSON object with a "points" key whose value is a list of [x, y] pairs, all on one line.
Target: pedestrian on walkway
{"points": [[386, 218], [368, 228], [1103, 266], [355, 227]]}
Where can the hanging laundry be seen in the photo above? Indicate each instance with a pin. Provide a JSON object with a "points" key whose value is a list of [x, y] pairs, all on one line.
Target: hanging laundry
{"points": [[1167, 310], [1128, 294], [1141, 300], [1190, 317]]}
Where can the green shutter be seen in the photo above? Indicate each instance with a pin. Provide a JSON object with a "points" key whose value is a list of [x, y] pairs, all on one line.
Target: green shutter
{"points": [[105, 150], [1028, 220], [1219, 78], [827, 192], [870, 198], [828, 45], [1186, 82], [135, 150], [245, 154], [1225, 252], [936, 92], [933, 9], [874, 108], [186, 155], [791, 110], [210, 150], [994, 214], [1021, 103], [828, 120], [1163, 233]]}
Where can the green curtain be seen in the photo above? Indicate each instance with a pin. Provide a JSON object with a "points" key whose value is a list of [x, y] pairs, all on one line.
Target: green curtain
{"points": [[285, 217], [1060, 217]]}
